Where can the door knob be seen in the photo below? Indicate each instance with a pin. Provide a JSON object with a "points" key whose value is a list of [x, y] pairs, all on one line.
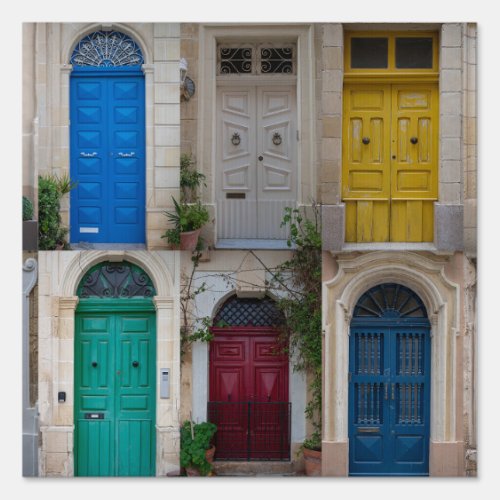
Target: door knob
{"points": [[261, 158], [365, 140], [135, 364], [94, 363], [414, 140]]}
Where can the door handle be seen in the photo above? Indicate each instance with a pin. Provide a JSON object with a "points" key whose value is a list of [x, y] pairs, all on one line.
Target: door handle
{"points": [[135, 364], [365, 140], [261, 158], [414, 140]]}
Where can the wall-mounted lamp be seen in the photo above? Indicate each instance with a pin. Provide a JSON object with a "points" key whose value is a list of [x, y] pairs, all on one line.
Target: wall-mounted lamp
{"points": [[187, 85]]}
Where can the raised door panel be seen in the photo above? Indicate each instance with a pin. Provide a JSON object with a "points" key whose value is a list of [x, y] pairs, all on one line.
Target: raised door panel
{"points": [[127, 152], [366, 162], [88, 159], [94, 395], [277, 158], [369, 418], [136, 355], [414, 170], [410, 399], [236, 183]]}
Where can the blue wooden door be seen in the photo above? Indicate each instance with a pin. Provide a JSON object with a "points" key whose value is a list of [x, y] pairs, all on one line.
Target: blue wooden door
{"points": [[389, 384], [107, 157]]}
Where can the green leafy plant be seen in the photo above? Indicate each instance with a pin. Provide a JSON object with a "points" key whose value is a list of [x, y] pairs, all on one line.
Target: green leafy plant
{"points": [[28, 209], [190, 180], [51, 233], [195, 441], [302, 334], [185, 218]]}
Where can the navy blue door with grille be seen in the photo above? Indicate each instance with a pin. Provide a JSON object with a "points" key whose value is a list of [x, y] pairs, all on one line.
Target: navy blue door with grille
{"points": [[107, 156], [389, 384]]}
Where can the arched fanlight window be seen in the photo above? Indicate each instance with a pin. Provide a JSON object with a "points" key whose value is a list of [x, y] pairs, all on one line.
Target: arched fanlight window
{"points": [[107, 49], [390, 300], [248, 312], [116, 280]]}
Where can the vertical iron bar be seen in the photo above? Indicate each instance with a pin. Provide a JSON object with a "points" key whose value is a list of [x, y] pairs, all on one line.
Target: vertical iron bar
{"points": [[410, 355], [249, 445]]}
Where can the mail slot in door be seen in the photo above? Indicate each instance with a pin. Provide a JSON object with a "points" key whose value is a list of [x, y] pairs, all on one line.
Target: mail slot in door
{"points": [[94, 416]]}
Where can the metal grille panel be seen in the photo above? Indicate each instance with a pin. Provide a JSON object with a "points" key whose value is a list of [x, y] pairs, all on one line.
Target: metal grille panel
{"points": [[251, 430], [249, 312], [116, 280]]}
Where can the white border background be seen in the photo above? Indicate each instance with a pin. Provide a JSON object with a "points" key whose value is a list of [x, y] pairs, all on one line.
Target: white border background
{"points": [[480, 11]]}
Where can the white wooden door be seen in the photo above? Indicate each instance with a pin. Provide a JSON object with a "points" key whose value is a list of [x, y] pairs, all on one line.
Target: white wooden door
{"points": [[256, 161]]}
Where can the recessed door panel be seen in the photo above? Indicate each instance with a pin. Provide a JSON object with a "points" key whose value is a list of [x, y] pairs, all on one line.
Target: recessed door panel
{"points": [[107, 159], [115, 394]]}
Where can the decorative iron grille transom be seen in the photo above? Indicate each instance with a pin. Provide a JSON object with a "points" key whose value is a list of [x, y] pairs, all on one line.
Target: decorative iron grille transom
{"points": [[116, 280], [390, 301], [256, 59], [107, 49], [249, 312]]}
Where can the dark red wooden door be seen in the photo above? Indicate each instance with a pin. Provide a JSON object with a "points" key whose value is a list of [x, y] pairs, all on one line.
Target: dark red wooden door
{"points": [[249, 391]]}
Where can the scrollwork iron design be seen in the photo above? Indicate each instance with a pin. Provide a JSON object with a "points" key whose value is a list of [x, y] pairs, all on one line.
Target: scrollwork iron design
{"points": [[107, 49], [235, 60], [276, 60], [116, 280]]}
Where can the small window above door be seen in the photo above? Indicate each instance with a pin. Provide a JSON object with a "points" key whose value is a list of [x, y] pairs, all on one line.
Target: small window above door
{"points": [[392, 53], [256, 59]]}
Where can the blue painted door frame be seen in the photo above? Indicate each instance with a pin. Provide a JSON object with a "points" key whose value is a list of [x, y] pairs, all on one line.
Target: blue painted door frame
{"points": [[389, 396], [107, 155]]}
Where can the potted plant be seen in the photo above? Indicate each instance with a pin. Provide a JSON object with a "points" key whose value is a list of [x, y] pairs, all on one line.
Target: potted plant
{"points": [[187, 219], [197, 450], [311, 449]]}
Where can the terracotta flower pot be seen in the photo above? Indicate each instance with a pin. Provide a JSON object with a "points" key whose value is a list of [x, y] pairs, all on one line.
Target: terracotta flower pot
{"points": [[189, 240], [209, 454], [312, 460]]}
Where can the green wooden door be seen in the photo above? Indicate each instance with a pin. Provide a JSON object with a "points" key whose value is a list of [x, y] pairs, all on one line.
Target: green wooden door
{"points": [[115, 353]]}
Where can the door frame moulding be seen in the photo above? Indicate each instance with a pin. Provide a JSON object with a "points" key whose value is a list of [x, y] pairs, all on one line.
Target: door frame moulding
{"points": [[208, 305], [57, 418], [441, 297], [303, 37], [147, 69]]}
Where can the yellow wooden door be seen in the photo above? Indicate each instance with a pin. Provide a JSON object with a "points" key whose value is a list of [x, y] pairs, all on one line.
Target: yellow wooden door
{"points": [[390, 162]]}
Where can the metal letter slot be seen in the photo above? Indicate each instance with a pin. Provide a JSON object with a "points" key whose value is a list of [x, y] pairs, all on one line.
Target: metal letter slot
{"points": [[236, 196], [89, 155], [164, 383], [94, 416], [368, 429], [126, 155]]}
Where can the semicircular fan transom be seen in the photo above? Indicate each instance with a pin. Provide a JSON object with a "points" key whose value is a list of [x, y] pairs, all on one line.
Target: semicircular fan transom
{"points": [[107, 49], [116, 280], [390, 300]]}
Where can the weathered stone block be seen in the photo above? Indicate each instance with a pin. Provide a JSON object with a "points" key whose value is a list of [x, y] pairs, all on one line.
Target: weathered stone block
{"points": [[449, 227], [333, 227]]}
